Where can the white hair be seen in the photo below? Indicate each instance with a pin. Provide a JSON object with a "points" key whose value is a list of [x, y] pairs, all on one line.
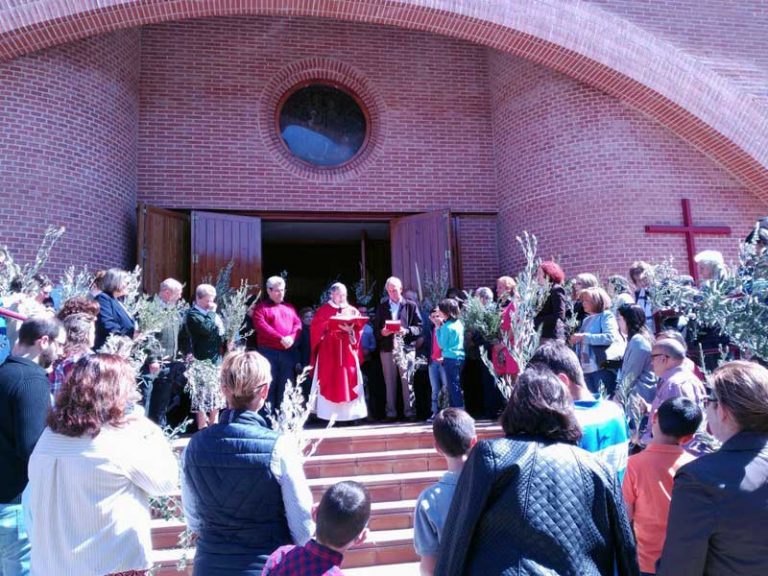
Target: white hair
{"points": [[393, 281], [336, 286], [170, 284], [710, 258], [274, 282], [714, 261], [205, 290], [484, 292]]}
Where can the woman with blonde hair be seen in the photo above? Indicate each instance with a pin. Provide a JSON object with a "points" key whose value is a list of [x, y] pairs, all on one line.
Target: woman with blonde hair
{"points": [[92, 473], [243, 485], [599, 343]]}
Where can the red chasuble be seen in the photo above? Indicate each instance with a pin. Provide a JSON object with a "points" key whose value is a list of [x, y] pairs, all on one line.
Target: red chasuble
{"points": [[334, 356]]}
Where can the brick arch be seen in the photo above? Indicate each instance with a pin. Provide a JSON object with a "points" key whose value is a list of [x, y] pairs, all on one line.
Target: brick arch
{"points": [[578, 39]]}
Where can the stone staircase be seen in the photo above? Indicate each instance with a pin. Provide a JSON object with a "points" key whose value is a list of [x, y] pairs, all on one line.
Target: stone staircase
{"points": [[395, 462]]}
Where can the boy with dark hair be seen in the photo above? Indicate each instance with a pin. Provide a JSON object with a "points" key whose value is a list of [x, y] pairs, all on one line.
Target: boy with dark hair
{"points": [[455, 436], [650, 475], [342, 520]]}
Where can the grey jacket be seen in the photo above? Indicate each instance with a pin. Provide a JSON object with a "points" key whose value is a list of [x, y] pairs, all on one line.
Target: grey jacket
{"points": [[719, 513]]}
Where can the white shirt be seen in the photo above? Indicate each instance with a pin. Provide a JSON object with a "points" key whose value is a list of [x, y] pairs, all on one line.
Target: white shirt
{"points": [[88, 499], [394, 309]]}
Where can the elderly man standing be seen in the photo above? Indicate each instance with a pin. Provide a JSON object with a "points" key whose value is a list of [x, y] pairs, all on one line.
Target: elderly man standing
{"points": [[397, 308], [277, 327], [162, 388]]}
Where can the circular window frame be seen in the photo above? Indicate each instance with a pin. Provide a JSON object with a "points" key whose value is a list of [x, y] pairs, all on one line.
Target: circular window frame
{"points": [[341, 88], [334, 73]]}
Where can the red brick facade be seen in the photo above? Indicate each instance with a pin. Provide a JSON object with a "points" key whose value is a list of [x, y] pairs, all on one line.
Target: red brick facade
{"points": [[586, 173], [181, 115], [68, 150]]}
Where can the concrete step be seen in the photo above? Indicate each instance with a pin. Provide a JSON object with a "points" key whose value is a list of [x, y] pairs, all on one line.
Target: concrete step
{"points": [[392, 462], [376, 437], [382, 547], [382, 487], [384, 516], [395, 462]]}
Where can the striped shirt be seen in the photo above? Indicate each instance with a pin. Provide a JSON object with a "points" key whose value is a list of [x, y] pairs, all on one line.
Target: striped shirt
{"points": [[88, 499], [605, 432]]}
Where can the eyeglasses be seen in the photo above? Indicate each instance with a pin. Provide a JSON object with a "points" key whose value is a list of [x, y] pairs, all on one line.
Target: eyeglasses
{"points": [[657, 355], [710, 398]]}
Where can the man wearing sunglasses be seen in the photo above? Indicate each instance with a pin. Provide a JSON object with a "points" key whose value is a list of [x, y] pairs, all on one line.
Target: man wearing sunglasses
{"points": [[675, 380]]}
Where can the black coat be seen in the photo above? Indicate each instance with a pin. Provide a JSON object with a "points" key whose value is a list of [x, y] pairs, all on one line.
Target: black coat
{"points": [[551, 317], [719, 512], [410, 318], [113, 319], [524, 506]]}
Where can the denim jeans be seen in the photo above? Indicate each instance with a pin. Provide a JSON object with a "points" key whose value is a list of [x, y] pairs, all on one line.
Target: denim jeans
{"points": [[437, 380], [14, 543], [453, 379]]}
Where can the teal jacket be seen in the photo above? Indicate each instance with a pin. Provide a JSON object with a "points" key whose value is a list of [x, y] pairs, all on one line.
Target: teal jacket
{"points": [[450, 338]]}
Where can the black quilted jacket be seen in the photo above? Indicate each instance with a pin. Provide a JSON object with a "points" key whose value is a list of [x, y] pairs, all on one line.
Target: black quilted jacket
{"points": [[527, 507]]}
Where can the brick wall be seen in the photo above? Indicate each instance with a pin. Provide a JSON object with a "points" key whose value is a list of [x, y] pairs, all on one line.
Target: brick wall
{"points": [[68, 150], [207, 123], [729, 37], [586, 173], [478, 253]]}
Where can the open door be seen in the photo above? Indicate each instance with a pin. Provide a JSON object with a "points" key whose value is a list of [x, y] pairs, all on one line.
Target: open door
{"points": [[163, 240], [219, 238], [424, 242]]}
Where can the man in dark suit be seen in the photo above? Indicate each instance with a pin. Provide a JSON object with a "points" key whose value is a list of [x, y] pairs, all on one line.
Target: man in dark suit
{"points": [[396, 307]]}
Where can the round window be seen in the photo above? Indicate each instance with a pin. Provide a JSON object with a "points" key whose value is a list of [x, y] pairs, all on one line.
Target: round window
{"points": [[322, 125]]}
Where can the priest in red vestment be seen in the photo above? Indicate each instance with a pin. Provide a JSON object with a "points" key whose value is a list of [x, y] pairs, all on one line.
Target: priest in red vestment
{"points": [[337, 380]]}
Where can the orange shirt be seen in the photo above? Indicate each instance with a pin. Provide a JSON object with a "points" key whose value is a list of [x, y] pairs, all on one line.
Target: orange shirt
{"points": [[647, 491]]}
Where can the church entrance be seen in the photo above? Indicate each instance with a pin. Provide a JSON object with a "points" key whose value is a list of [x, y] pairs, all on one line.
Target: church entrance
{"points": [[313, 255], [311, 251]]}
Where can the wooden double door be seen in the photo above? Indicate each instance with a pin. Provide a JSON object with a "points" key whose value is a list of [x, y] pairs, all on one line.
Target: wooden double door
{"points": [[193, 247]]}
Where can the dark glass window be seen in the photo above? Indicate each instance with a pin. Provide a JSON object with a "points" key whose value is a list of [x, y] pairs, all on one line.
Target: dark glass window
{"points": [[322, 125]]}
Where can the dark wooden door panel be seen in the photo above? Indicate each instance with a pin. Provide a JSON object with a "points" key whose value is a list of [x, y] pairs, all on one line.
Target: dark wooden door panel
{"points": [[423, 240], [219, 238], [163, 239]]}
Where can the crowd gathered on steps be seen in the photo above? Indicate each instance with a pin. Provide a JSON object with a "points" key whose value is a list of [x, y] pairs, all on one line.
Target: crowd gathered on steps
{"points": [[573, 487]]}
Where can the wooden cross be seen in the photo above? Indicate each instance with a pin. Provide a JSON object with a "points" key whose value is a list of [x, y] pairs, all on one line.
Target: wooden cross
{"points": [[690, 232]]}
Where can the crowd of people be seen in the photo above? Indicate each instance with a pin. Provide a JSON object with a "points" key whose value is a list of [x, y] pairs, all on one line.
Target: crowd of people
{"points": [[619, 454]]}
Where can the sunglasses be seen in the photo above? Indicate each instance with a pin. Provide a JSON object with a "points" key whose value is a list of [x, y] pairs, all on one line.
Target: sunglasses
{"points": [[710, 398]]}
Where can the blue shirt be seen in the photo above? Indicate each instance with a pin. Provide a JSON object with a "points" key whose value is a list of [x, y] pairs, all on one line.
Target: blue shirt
{"points": [[368, 339], [431, 513], [605, 432]]}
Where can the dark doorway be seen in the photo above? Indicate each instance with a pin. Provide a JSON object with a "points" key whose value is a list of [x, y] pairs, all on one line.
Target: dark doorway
{"points": [[314, 255]]}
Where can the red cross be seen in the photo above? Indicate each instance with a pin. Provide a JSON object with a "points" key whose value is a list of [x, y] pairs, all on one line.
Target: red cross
{"points": [[690, 231]]}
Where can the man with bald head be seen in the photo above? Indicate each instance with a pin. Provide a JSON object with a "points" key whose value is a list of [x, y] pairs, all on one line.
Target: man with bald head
{"points": [[675, 379]]}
